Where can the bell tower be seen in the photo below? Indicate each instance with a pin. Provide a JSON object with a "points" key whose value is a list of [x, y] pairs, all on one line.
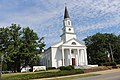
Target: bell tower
{"points": [[68, 30]]}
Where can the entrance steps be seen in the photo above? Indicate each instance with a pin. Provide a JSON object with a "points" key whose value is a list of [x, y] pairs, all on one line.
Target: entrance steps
{"points": [[85, 66]]}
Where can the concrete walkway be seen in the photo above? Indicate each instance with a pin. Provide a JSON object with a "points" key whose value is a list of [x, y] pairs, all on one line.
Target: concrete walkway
{"points": [[98, 72]]}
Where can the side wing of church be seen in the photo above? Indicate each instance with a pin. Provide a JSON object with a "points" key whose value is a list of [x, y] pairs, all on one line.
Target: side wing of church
{"points": [[69, 51]]}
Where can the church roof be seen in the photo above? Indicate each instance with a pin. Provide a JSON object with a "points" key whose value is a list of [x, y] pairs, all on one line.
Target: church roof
{"points": [[68, 43], [66, 15]]}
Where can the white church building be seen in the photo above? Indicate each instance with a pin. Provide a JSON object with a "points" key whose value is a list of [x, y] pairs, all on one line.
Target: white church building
{"points": [[69, 51]]}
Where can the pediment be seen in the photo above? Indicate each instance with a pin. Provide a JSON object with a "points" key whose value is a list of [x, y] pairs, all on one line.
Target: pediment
{"points": [[73, 42]]}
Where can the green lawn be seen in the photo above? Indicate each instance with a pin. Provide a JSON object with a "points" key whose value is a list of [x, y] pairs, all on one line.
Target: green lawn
{"points": [[41, 74], [19, 76]]}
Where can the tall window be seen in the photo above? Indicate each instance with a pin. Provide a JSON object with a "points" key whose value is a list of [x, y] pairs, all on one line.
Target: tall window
{"points": [[72, 51], [68, 22]]}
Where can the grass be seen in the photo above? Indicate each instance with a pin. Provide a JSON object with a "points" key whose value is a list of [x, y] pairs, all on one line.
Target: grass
{"points": [[51, 73], [36, 75], [10, 76], [76, 77]]}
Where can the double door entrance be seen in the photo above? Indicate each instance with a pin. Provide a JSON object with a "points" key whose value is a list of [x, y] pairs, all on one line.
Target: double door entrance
{"points": [[73, 61]]}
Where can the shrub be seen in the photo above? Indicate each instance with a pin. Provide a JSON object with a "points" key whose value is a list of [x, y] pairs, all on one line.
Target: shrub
{"points": [[51, 68], [62, 68], [106, 64], [109, 64], [67, 67], [31, 70], [113, 64], [100, 64], [114, 67], [72, 66], [73, 71]]}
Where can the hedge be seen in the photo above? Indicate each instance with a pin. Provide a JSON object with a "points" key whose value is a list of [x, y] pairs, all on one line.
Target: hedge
{"points": [[109, 64], [51, 68], [67, 67]]}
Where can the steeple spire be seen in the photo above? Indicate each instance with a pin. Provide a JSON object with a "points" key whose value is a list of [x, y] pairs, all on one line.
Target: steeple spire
{"points": [[66, 15], [68, 30]]}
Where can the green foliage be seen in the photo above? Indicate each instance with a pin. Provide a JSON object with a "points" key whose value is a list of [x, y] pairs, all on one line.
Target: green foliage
{"points": [[99, 45], [43, 75], [67, 67], [109, 64], [62, 68], [113, 63], [72, 66], [114, 67], [51, 68], [20, 47]]}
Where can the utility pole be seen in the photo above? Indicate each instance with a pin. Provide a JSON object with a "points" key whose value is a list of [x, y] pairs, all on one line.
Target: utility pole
{"points": [[111, 52]]}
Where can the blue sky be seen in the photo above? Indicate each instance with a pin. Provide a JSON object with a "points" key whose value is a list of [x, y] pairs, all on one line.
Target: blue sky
{"points": [[45, 17]]}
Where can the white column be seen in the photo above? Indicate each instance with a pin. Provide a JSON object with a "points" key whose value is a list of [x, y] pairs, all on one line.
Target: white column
{"points": [[63, 57], [85, 52], [70, 57], [78, 57], [82, 62]]}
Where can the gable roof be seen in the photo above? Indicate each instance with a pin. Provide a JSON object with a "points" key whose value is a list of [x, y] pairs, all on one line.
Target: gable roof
{"points": [[68, 43]]}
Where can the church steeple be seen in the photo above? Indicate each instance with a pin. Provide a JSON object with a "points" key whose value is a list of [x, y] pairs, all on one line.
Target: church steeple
{"points": [[67, 21], [68, 30], [66, 15]]}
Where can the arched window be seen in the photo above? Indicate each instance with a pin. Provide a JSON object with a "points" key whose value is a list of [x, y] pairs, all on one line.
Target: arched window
{"points": [[68, 22], [73, 43]]}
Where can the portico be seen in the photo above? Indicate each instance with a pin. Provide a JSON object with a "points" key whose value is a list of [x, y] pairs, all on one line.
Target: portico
{"points": [[73, 56]]}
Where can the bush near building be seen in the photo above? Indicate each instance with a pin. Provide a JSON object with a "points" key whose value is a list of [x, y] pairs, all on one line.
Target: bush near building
{"points": [[70, 67], [51, 68], [109, 64]]}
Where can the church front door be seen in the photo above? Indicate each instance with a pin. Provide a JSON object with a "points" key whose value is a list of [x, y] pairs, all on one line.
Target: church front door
{"points": [[73, 61]]}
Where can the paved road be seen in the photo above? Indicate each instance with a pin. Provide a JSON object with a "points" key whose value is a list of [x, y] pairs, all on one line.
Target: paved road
{"points": [[110, 76], [113, 74]]}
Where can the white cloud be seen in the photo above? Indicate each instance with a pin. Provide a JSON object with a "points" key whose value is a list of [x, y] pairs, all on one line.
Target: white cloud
{"points": [[44, 16], [106, 24]]}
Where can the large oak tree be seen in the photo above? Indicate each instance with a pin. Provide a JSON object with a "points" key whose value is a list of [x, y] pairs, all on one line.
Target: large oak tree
{"points": [[20, 47], [100, 45]]}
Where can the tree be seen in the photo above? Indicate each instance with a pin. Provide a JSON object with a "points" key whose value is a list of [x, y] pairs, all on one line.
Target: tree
{"points": [[117, 50], [4, 42], [30, 47], [99, 44], [14, 46], [19, 46]]}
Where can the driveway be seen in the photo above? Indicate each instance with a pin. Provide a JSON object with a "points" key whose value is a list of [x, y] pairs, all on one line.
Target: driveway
{"points": [[109, 76]]}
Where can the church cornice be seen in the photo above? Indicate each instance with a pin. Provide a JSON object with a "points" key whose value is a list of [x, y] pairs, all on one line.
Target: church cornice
{"points": [[67, 33], [72, 47]]}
